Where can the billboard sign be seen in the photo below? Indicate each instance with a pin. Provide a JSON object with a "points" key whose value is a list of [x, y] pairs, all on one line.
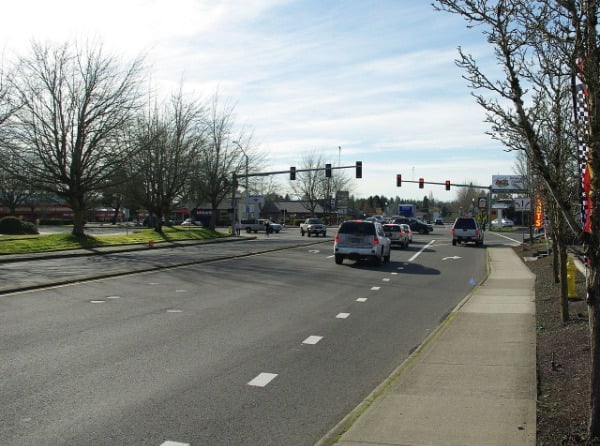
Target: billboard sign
{"points": [[508, 183]]}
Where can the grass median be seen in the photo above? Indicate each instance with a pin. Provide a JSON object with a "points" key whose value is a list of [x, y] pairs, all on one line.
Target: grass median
{"points": [[58, 242]]}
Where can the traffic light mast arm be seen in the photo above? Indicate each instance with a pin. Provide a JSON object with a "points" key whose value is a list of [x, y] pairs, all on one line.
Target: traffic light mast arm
{"points": [[444, 183], [277, 172]]}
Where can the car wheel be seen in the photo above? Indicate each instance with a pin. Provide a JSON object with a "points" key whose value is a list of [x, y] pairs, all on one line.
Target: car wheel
{"points": [[248, 230], [423, 231], [386, 259], [277, 232], [302, 233], [324, 234], [453, 242], [308, 234], [339, 259]]}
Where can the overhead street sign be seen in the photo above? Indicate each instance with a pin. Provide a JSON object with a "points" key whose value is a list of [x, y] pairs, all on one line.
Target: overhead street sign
{"points": [[522, 204]]}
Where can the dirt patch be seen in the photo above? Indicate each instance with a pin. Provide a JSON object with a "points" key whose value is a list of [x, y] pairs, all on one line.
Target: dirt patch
{"points": [[563, 359]]}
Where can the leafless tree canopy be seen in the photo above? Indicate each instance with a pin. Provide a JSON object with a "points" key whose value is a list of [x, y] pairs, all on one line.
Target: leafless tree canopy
{"points": [[75, 105]]}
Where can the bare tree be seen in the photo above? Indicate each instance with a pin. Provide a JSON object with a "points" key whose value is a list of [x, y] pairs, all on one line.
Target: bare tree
{"points": [[520, 33], [75, 105], [165, 145], [222, 155], [310, 186]]}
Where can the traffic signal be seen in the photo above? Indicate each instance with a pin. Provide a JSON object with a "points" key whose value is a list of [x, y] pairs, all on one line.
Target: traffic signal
{"points": [[359, 169], [421, 183], [328, 170], [398, 180], [447, 184], [292, 173]]}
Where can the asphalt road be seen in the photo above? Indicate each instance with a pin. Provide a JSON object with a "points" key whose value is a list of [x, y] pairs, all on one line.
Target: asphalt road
{"points": [[269, 348]]}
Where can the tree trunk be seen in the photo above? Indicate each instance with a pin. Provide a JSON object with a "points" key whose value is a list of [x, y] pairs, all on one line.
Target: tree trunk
{"points": [[556, 259], [78, 222], [564, 295], [593, 295]]}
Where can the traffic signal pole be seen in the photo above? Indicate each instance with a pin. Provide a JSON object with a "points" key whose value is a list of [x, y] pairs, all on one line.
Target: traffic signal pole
{"points": [[292, 170]]}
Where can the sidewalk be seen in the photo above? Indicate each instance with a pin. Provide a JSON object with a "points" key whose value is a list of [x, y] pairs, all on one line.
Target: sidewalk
{"points": [[473, 382]]}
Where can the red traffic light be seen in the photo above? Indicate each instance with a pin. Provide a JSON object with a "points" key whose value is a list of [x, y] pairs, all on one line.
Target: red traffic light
{"points": [[398, 180], [421, 183], [447, 184]]}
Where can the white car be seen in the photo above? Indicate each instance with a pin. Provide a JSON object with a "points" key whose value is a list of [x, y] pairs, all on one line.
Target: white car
{"points": [[361, 239], [406, 228], [503, 223]]}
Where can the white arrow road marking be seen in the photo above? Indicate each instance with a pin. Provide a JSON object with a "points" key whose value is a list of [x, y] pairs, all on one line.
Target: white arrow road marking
{"points": [[312, 340], [452, 258], [361, 299], [343, 315], [262, 379]]}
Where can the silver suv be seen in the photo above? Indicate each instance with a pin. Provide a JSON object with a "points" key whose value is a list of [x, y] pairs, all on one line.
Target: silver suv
{"points": [[465, 230], [360, 239]]}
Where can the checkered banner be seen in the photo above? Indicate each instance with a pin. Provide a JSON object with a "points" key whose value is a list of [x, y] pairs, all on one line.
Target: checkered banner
{"points": [[581, 107]]}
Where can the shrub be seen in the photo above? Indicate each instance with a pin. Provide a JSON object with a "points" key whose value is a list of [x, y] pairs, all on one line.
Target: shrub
{"points": [[13, 225]]}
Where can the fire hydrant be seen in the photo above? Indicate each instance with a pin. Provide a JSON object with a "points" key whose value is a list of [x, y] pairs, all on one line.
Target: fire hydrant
{"points": [[571, 269]]}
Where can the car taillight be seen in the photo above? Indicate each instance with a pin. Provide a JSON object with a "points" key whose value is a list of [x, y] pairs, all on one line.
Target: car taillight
{"points": [[337, 238], [476, 231], [375, 241], [452, 231]]}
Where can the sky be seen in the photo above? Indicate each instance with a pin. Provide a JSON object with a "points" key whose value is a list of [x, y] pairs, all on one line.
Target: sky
{"points": [[368, 80]]}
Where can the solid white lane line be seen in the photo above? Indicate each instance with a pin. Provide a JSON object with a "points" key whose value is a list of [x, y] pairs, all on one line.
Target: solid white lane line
{"points": [[312, 340], [361, 299], [262, 379], [421, 250], [375, 288], [343, 315]]}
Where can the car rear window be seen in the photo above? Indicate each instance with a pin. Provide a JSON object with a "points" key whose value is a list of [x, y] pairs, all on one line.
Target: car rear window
{"points": [[391, 228], [357, 227], [465, 223]]}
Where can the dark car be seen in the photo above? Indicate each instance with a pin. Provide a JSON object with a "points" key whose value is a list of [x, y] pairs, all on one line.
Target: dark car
{"points": [[416, 225]]}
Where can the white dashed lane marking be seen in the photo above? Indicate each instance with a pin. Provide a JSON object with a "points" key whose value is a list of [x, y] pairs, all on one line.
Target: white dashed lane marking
{"points": [[375, 288], [386, 279], [175, 310], [343, 315], [361, 299], [312, 340], [97, 301], [174, 443], [263, 379]]}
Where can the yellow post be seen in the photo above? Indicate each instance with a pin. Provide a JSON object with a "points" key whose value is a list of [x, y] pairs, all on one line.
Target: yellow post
{"points": [[571, 270]]}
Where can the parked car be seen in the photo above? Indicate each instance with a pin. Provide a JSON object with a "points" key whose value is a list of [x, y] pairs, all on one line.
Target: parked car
{"points": [[503, 223], [408, 232], [439, 222], [416, 225], [255, 225], [466, 230], [360, 239], [396, 234], [190, 222]]}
